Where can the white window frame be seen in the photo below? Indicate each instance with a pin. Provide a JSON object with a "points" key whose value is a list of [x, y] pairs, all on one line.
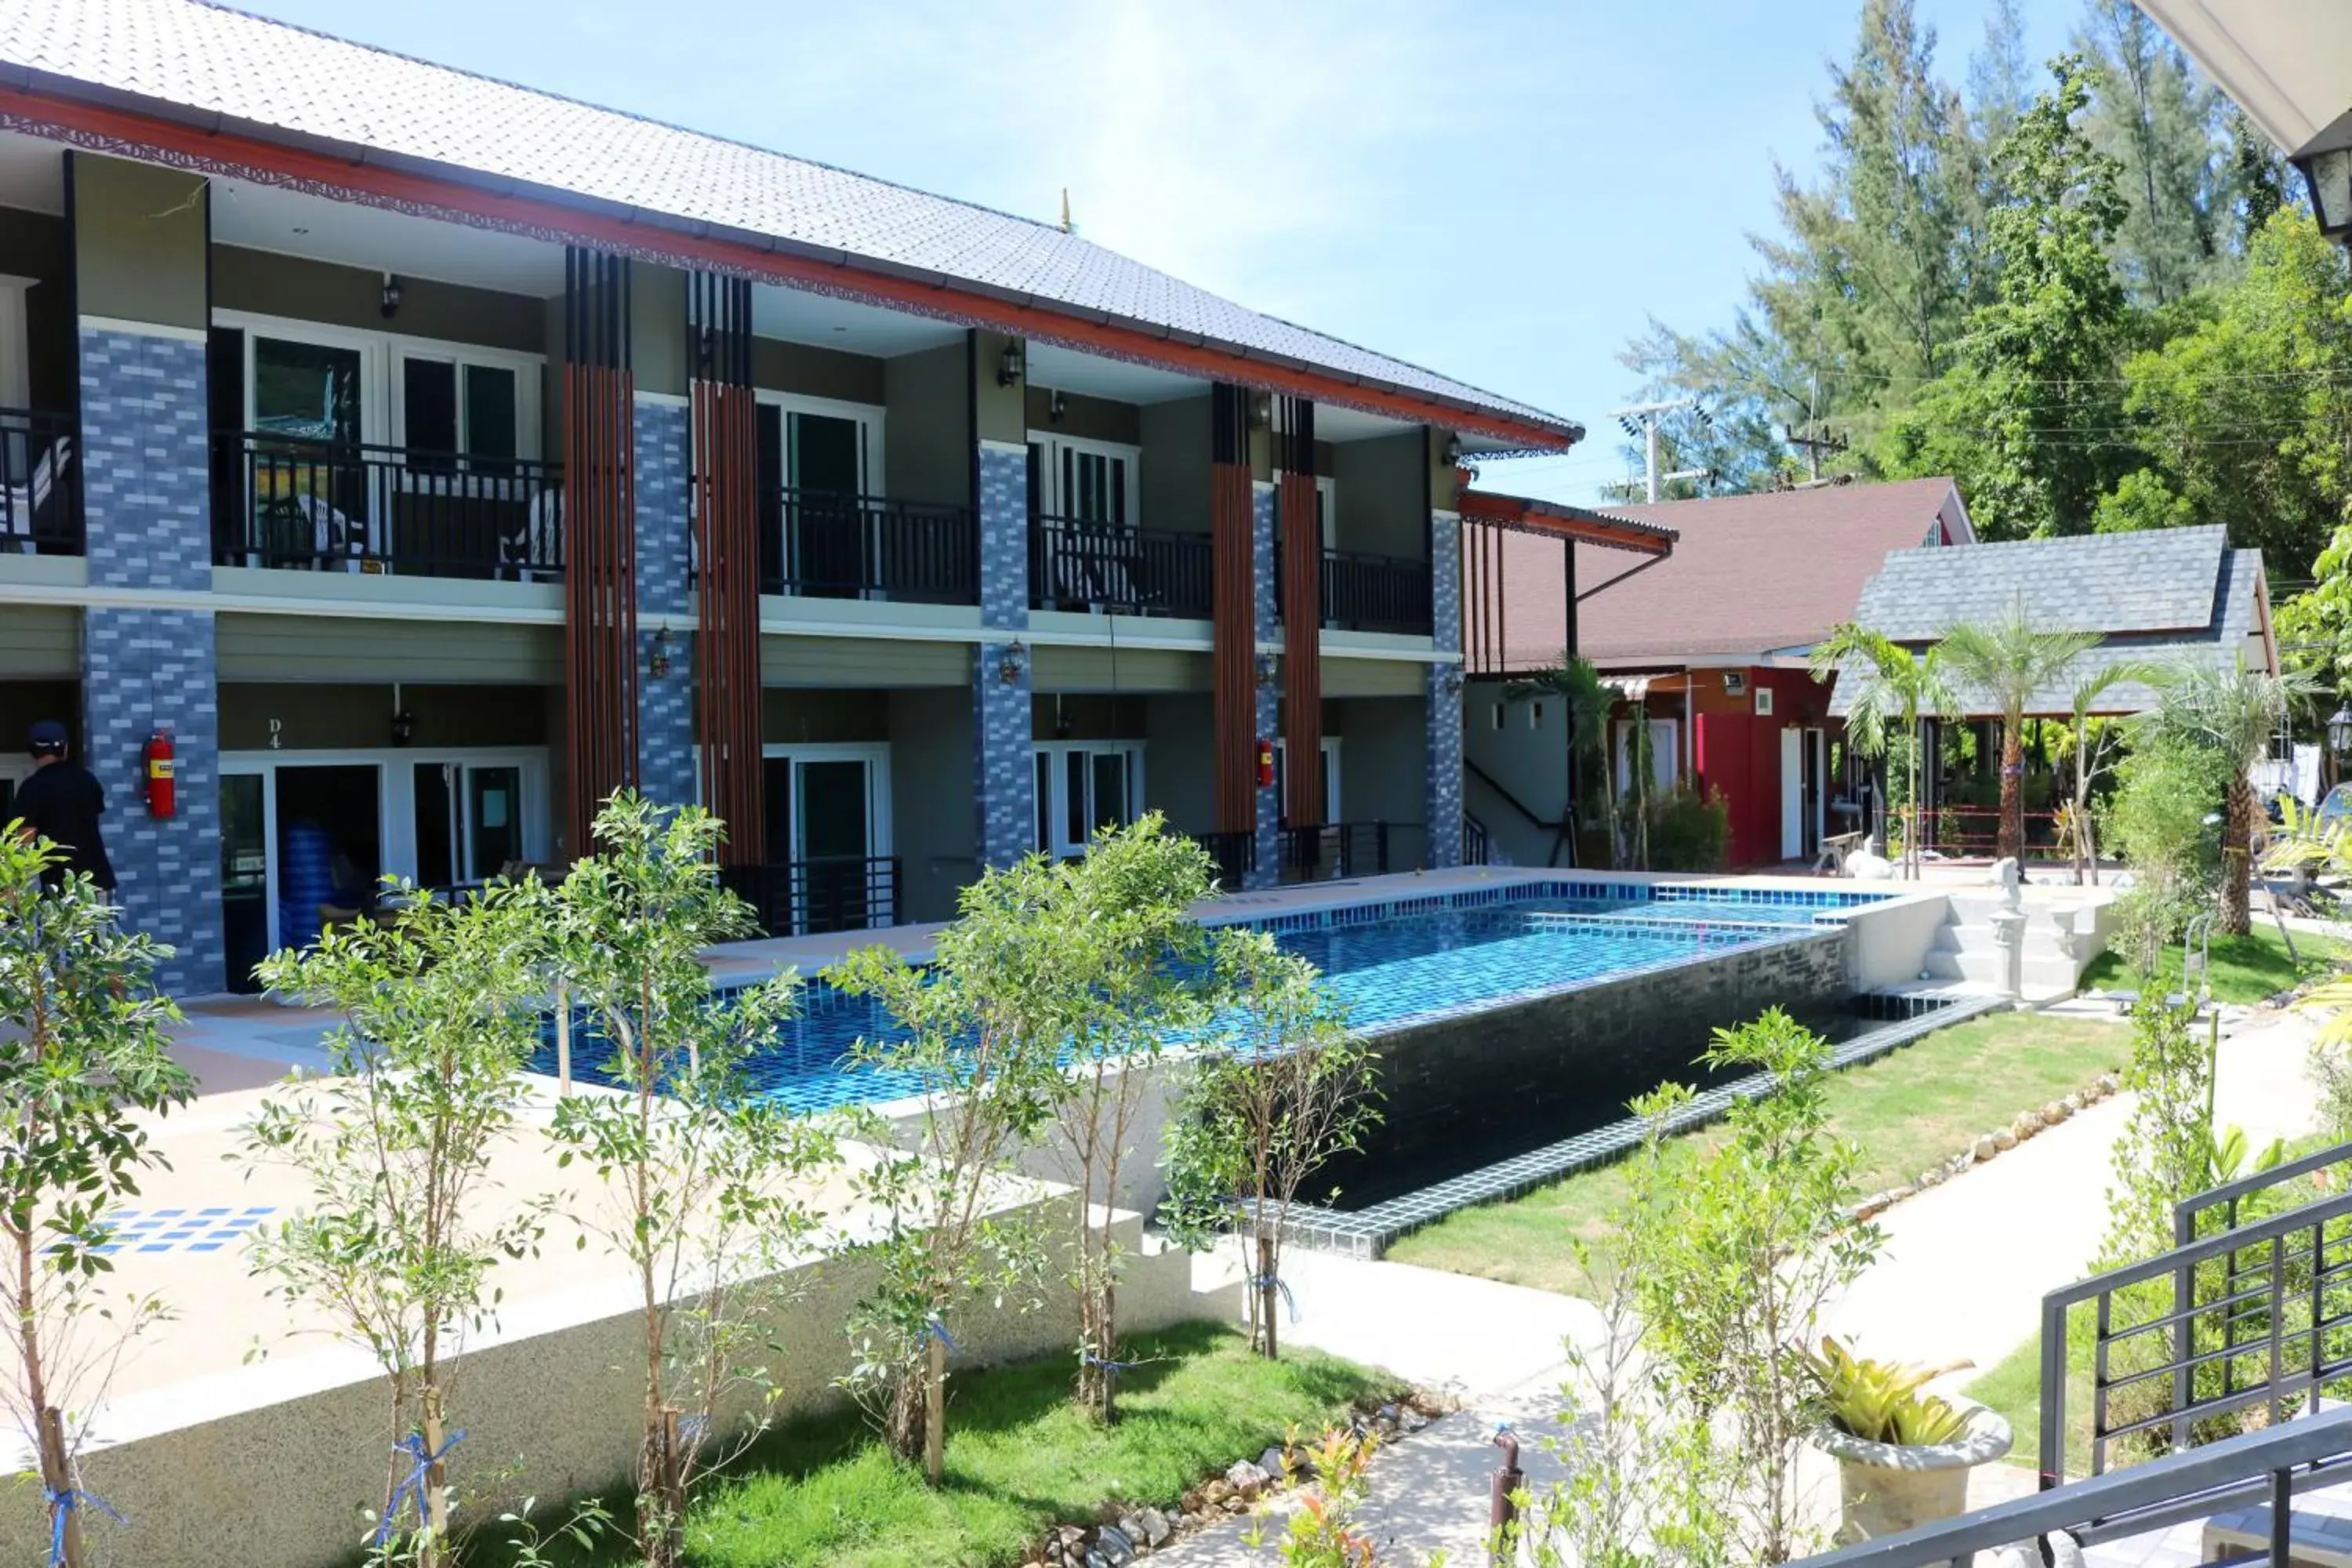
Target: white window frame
{"points": [[383, 411], [1331, 792], [874, 754], [868, 416], [396, 797], [1326, 500], [1053, 503], [1057, 779]]}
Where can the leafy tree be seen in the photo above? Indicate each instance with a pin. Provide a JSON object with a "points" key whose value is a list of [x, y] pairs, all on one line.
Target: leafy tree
{"points": [[1733, 1246], [2095, 741], [1126, 978], [2152, 113], [2027, 418], [425, 1078], [1283, 1091], [2236, 714], [84, 1060], [702, 1175], [2162, 821], [2259, 175], [980, 1029], [1889, 691], [2006, 662]]}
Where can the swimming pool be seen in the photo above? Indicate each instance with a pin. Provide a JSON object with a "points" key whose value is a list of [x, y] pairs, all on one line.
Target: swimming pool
{"points": [[1395, 963]]}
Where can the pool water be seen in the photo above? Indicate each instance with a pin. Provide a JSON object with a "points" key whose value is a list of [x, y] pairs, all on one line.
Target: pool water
{"points": [[1391, 964]]}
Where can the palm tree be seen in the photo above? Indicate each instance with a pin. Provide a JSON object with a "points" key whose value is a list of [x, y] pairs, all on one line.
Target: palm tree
{"points": [[2006, 663], [1587, 700], [1886, 685], [2236, 712]]}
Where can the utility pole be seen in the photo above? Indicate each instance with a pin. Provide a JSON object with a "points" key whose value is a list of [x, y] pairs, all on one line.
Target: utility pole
{"points": [[1817, 439], [1643, 422]]}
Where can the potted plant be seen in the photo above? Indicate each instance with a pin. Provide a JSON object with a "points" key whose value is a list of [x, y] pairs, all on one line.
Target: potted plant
{"points": [[1903, 1454]]}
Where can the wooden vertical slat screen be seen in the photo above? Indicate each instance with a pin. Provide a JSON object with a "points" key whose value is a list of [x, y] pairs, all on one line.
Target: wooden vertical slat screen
{"points": [[1302, 610], [600, 591], [1233, 610], [727, 551]]}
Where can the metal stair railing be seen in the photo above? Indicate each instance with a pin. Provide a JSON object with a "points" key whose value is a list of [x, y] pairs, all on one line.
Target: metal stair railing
{"points": [[2266, 1467]]}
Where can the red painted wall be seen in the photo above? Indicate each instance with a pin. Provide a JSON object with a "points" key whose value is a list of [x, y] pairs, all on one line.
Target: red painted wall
{"points": [[1739, 753]]}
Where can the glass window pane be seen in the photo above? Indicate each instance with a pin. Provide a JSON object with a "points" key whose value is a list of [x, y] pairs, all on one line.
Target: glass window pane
{"points": [[428, 405], [1075, 804], [491, 421], [437, 847], [833, 810], [1045, 800], [1117, 497], [494, 802], [306, 390], [1110, 789]]}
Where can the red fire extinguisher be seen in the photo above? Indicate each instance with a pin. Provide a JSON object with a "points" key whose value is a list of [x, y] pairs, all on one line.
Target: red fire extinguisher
{"points": [[1266, 764], [162, 789]]}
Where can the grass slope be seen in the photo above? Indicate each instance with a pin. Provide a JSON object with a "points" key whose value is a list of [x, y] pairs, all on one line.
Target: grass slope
{"points": [[1907, 1111], [824, 1493]]}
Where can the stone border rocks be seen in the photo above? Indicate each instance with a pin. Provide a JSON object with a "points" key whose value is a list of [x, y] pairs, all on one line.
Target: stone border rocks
{"points": [[1986, 1145]]}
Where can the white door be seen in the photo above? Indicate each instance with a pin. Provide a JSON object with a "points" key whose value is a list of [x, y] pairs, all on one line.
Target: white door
{"points": [[1793, 795]]}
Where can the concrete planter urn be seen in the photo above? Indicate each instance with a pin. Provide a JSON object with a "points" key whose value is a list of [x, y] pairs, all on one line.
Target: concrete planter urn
{"points": [[1884, 1487]]}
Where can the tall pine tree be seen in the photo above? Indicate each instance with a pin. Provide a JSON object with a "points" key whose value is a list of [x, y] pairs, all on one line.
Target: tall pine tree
{"points": [[2157, 118]]}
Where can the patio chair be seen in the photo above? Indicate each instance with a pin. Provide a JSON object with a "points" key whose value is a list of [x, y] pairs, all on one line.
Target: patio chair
{"points": [[19, 504]]}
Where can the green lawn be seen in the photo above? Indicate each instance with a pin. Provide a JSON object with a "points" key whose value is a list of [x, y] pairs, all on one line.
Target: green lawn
{"points": [[823, 1493], [1908, 1111], [2245, 968]]}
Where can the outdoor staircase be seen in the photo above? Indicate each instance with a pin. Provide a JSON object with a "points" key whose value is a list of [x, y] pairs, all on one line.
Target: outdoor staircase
{"points": [[1967, 953]]}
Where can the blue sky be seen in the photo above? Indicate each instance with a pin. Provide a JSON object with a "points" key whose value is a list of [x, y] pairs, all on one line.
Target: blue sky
{"points": [[1503, 192]]}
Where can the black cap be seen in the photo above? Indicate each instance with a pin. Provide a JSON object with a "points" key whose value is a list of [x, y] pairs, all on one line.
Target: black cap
{"points": [[49, 735]]}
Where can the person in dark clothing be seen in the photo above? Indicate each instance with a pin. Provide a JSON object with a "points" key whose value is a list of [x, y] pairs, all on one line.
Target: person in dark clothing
{"points": [[62, 802]]}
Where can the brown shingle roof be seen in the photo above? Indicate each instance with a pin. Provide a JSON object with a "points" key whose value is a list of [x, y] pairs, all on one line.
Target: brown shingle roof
{"points": [[247, 73], [1749, 574]]}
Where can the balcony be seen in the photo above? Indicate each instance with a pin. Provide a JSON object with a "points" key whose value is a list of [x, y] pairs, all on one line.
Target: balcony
{"points": [[40, 484], [1367, 593], [1110, 569], [829, 893], [290, 504], [828, 545]]}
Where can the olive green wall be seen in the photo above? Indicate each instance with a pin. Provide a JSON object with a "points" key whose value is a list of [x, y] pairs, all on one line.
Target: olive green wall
{"points": [[813, 372], [340, 717], [1444, 484], [865, 663], [926, 438], [1179, 749], [656, 328], [1085, 418], [312, 649], [814, 717], [1064, 669], [1382, 758], [1374, 677], [1002, 410], [1174, 485], [140, 234], [931, 798], [1382, 502], [1086, 716], [268, 284], [39, 640], [37, 246]]}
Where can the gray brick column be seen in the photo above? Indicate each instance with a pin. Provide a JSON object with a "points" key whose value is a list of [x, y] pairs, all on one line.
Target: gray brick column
{"points": [[1004, 779], [147, 506], [1269, 694], [1442, 797], [664, 522]]}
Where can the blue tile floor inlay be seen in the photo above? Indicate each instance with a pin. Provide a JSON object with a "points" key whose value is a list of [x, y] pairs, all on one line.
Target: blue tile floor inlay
{"points": [[1393, 963], [179, 1230]]}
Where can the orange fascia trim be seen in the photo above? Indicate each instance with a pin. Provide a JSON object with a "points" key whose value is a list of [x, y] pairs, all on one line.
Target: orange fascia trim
{"points": [[456, 198], [1561, 523]]}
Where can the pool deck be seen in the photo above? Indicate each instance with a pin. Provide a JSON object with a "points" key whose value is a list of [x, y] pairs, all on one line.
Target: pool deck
{"points": [[232, 1043]]}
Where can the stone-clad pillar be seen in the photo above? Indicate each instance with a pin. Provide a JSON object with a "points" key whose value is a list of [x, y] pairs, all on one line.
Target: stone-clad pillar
{"points": [[140, 237], [1442, 806], [1004, 779], [1268, 870], [665, 699]]}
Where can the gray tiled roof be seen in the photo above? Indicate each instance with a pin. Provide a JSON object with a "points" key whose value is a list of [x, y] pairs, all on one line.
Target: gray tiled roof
{"points": [[288, 83], [2161, 580], [2228, 628]]}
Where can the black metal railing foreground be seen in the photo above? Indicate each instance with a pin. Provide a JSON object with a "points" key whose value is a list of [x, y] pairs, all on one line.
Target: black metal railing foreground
{"points": [[1235, 854], [1474, 847], [2228, 1201], [1334, 851], [828, 545], [2192, 1344], [287, 504], [41, 483], [2266, 1467], [830, 893], [1076, 565]]}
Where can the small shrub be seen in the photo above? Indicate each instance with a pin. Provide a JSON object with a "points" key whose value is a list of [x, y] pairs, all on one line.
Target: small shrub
{"points": [[1688, 832]]}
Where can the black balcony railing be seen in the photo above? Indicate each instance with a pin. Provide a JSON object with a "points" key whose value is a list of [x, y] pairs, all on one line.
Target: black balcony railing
{"points": [[829, 893], [1235, 854], [1076, 564], [1336, 850], [1375, 593], [317, 506], [829, 546], [40, 484]]}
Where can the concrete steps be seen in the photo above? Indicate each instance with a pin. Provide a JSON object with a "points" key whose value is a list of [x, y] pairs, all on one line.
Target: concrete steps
{"points": [[1966, 951]]}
